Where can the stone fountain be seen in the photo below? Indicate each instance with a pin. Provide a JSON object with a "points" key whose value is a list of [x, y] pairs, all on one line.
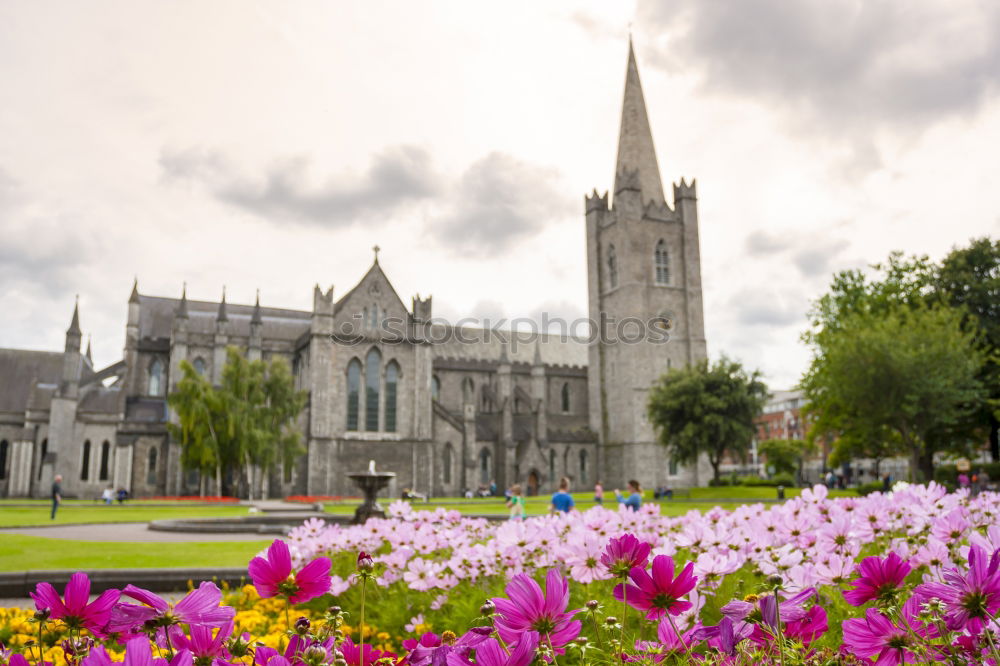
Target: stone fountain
{"points": [[370, 482]]}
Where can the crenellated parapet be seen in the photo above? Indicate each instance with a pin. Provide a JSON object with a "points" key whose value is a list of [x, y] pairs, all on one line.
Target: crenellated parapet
{"points": [[596, 202], [684, 190]]}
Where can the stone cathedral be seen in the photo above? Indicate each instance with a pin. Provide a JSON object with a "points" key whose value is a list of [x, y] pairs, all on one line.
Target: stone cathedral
{"points": [[445, 408]]}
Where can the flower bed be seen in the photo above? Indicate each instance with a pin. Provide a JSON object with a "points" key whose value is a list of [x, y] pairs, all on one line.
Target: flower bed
{"points": [[912, 576]]}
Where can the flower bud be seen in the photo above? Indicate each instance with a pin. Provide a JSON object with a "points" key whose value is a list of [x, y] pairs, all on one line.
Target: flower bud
{"points": [[333, 610], [302, 625], [365, 562], [774, 581], [593, 604], [610, 620], [488, 608], [43, 615]]}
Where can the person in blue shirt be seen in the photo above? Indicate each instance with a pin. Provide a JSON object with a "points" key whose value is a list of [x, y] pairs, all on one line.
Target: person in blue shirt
{"points": [[634, 500], [562, 501]]}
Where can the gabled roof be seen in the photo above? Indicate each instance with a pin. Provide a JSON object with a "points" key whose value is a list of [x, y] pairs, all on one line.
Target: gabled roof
{"points": [[21, 370], [375, 275]]}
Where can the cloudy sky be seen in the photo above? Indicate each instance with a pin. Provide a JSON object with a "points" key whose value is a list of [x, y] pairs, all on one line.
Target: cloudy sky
{"points": [[270, 144]]}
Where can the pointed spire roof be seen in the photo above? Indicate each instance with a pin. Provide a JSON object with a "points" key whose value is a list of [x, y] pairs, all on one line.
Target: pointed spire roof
{"points": [[134, 297], [74, 325], [538, 352], [222, 307], [88, 355], [635, 139], [182, 308], [256, 318]]}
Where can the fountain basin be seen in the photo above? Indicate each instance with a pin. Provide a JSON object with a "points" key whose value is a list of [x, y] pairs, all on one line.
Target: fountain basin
{"points": [[370, 483]]}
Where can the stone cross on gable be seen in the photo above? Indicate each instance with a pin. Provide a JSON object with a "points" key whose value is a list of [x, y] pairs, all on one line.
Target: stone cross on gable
{"points": [[375, 249]]}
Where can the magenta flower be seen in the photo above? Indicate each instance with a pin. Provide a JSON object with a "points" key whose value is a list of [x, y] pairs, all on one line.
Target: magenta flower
{"points": [[880, 578], [623, 554], [431, 651], [972, 599], [75, 612], [529, 610], [660, 593], [808, 628], [489, 653], [875, 634], [200, 606], [353, 657], [203, 645], [273, 576]]}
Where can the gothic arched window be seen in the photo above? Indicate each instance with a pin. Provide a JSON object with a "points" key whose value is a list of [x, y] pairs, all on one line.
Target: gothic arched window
{"points": [[468, 390], [612, 267], [373, 371], [41, 457], [565, 397], [661, 258], [156, 377], [435, 388], [583, 465], [446, 463], [105, 461], [199, 366], [3, 458], [391, 382], [85, 461], [552, 466], [485, 467], [353, 393], [151, 468]]}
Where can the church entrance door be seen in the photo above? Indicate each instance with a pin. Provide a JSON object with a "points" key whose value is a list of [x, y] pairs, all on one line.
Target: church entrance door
{"points": [[533, 482]]}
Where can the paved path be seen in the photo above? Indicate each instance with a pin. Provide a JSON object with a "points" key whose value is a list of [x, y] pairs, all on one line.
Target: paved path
{"points": [[131, 532]]}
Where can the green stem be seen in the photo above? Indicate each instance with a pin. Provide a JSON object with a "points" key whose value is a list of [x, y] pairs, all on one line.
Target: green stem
{"points": [[779, 636], [551, 649], [361, 626], [621, 642], [680, 638], [41, 654], [597, 630]]}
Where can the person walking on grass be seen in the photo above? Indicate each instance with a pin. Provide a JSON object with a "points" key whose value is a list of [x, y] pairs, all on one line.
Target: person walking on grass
{"points": [[598, 493], [562, 501], [634, 500], [515, 502], [56, 494]]}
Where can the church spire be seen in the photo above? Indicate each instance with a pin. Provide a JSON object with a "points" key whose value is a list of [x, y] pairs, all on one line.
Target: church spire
{"points": [[256, 318], [134, 297], [182, 309], [74, 325], [635, 141], [222, 316], [88, 355]]}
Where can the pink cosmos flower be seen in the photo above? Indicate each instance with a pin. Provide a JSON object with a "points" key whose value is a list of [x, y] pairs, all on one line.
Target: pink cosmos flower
{"points": [[273, 576], [875, 634], [660, 593], [880, 578], [528, 610], [75, 612], [431, 651], [200, 606], [808, 628], [489, 653], [970, 599], [623, 554], [353, 656], [203, 645]]}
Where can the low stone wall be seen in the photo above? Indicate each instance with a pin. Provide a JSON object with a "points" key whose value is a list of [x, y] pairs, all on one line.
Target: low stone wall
{"points": [[20, 584]]}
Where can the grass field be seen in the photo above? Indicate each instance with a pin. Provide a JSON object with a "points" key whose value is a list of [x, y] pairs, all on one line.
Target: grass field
{"points": [[21, 553], [90, 513]]}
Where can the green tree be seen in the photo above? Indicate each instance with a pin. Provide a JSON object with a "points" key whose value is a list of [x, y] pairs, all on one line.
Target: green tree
{"points": [[248, 422], [707, 409], [785, 455], [907, 369], [969, 278]]}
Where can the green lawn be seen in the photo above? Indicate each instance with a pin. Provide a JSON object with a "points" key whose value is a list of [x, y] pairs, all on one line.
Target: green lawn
{"points": [[20, 553], [91, 513]]}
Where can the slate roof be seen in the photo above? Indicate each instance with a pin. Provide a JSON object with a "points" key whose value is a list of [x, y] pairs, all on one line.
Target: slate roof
{"points": [[156, 316], [488, 345], [20, 369]]}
